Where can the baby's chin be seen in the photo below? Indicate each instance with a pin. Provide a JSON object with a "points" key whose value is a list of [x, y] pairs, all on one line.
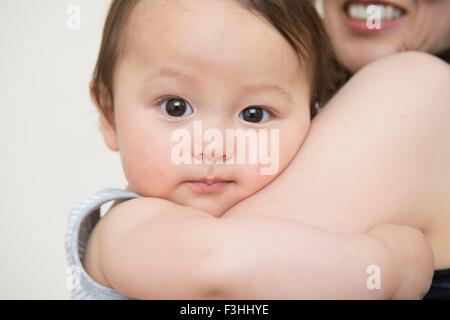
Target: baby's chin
{"points": [[215, 205], [212, 206]]}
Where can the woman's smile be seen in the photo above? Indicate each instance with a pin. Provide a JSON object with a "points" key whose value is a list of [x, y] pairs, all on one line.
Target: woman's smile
{"points": [[372, 17]]}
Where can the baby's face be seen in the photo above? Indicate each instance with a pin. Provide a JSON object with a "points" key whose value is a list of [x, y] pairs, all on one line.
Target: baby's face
{"points": [[211, 63]]}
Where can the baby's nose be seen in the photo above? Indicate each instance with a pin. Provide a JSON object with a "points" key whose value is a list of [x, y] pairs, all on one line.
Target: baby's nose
{"points": [[210, 142]]}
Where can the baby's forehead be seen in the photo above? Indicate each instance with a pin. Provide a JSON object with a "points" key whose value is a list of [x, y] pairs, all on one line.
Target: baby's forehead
{"points": [[216, 35], [161, 17]]}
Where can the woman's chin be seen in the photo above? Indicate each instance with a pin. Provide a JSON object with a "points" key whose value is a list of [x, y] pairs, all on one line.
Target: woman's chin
{"points": [[354, 59]]}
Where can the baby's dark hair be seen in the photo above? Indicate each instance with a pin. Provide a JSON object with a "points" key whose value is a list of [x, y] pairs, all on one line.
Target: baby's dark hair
{"points": [[297, 20]]}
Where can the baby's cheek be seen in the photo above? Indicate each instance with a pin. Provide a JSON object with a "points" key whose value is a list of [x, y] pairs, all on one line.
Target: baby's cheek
{"points": [[290, 141], [149, 170], [270, 166], [252, 179]]}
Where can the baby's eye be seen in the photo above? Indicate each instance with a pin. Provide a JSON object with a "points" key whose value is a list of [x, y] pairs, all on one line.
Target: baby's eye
{"points": [[255, 115], [176, 107]]}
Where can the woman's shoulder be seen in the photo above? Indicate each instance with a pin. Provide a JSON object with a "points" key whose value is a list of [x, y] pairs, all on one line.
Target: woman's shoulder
{"points": [[410, 82], [411, 66], [404, 99], [411, 59]]}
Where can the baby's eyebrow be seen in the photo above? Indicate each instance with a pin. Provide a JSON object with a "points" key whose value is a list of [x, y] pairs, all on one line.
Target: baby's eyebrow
{"points": [[167, 72], [268, 87]]}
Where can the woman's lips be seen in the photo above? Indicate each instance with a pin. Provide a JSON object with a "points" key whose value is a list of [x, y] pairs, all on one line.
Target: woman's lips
{"points": [[357, 16], [209, 186], [361, 26]]}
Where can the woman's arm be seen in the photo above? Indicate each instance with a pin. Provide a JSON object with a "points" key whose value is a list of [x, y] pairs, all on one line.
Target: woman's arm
{"points": [[154, 249]]}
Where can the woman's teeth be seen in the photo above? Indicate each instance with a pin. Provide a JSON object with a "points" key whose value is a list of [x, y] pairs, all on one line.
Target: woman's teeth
{"points": [[359, 11]]}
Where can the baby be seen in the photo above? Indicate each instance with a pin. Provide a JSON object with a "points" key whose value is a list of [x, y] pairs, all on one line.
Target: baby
{"points": [[232, 72], [168, 69]]}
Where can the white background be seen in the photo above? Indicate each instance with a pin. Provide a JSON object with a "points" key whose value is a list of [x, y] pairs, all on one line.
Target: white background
{"points": [[51, 150]]}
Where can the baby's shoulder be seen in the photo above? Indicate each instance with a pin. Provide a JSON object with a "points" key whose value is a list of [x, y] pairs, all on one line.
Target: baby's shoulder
{"points": [[82, 243], [120, 220]]}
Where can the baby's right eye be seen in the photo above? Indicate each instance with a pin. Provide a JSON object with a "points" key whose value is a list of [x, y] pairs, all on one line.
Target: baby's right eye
{"points": [[176, 107]]}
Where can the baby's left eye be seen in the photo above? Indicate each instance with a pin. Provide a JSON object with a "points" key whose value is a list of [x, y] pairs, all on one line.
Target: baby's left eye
{"points": [[255, 114]]}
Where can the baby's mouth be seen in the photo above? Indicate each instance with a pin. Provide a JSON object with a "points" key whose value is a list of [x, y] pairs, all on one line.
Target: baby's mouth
{"points": [[214, 185]]}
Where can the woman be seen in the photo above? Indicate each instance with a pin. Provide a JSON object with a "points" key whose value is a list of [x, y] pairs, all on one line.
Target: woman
{"points": [[404, 25]]}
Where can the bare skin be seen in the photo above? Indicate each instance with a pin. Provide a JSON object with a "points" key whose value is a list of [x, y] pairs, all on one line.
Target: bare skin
{"points": [[368, 187], [376, 154], [389, 164]]}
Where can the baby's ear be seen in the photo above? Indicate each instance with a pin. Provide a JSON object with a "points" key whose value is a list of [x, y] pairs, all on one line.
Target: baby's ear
{"points": [[102, 102]]}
